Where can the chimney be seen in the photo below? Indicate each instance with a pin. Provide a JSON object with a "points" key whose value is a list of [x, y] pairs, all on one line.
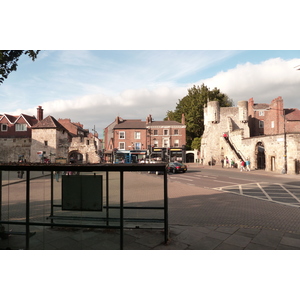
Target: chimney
{"points": [[183, 119], [149, 119], [40, 113]]}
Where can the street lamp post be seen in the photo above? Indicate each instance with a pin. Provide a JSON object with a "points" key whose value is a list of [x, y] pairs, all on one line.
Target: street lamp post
{"points": [[284, 171]]}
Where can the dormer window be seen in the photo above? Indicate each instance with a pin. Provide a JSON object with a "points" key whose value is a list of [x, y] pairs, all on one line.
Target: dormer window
{"points": [[21, 127]]}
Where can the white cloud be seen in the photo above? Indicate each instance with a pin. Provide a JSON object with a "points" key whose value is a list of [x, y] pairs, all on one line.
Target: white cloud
{"points": [[101, 110], [264, 81], [136, 90]]}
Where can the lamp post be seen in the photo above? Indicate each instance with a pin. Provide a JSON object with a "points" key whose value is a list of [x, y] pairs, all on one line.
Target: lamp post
{"points": [[284, 171]]}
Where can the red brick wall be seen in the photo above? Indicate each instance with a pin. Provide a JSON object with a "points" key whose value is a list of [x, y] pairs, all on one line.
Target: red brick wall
{"points": [[130, 138]]}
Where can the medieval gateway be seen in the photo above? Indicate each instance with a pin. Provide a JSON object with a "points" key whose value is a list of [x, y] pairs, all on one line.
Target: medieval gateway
{"points": [[266, 134]]}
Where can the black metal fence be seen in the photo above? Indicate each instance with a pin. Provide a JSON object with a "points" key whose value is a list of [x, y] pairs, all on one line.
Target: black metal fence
{"points": [[85, 199]]}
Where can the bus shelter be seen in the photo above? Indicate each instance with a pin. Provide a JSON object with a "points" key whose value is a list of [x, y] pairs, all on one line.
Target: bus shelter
{"points": [[102, 196]]}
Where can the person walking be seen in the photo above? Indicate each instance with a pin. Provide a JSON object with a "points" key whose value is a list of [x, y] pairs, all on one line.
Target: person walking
{"points": [[248, 165], [242, 165], [232, 163], [227, 162]]}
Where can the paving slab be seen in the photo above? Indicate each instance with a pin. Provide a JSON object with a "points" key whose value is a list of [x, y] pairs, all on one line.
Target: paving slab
{"points": [[206, 243], [218, 235], [189, 236], [238, 240], [229, 230], [253, 246], [289, 241], [225, 246], [173, 245], [270, 238]]}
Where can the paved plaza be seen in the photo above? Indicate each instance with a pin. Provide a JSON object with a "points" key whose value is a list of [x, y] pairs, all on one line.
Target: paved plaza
{"points": [[199, 219]]}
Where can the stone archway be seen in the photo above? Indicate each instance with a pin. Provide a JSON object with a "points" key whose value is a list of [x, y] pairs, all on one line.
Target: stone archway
{"points": [[260, 156], [190, 157], [75, 157]]}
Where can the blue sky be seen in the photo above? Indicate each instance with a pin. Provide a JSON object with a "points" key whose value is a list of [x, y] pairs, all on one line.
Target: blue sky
{"points": [[98, 75], [94, 86]]}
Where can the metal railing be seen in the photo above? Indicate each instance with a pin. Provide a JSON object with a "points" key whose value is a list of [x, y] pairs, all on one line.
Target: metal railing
{"points": [[28, 169]]}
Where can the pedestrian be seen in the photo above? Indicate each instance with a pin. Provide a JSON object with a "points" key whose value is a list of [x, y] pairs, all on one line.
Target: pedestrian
{"points": [[222, 162], [57, 175], [232, 163], [227, 162], [242, 165], [20, 174], [248, 165]]}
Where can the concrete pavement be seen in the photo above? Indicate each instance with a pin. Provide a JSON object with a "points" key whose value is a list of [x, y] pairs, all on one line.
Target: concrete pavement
{"points": [[199, 219]]}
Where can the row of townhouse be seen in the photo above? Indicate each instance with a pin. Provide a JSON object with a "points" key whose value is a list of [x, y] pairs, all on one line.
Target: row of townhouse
{"points": [[134, 140], [39, 139]]}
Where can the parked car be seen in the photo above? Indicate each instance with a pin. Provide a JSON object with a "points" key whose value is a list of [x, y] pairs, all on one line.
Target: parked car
{"points": [[176, 167]]}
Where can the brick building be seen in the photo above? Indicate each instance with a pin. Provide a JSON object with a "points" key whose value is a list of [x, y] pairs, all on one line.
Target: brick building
{"points": [[269, 119], [135, 140], [34, 139], [15, 136]]}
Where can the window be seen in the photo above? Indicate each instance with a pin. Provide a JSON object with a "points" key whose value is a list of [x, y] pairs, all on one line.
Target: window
{"points": [[121, 146], [155, 132], [166, 132], [261, 124], [122, 135], [155, 143], [272, 124], [176, 131], [176, 143], [137, 135], [261, 113], [46, 143], [21, 127], [4, 127], [138, 146], [166, 142]]}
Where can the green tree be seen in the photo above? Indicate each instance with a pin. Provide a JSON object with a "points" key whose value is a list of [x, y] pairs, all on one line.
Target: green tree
{"points": [[196, 143], [9, 61], [192, 106]]}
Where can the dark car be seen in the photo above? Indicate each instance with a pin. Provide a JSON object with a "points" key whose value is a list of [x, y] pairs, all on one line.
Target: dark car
{"points": [[176, 167]]}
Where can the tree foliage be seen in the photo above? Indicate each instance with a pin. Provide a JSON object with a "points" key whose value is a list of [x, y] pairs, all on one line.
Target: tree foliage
{"points": [[192, 106], [9, 61], [196, 143]]}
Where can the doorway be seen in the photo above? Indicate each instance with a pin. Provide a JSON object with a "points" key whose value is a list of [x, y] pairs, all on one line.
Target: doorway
{"points": [[260, 156]]}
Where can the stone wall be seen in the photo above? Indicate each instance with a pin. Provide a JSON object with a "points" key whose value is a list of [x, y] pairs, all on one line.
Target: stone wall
{"points": [[214, 145], [53, 142], [12, 148], [86, 147]]}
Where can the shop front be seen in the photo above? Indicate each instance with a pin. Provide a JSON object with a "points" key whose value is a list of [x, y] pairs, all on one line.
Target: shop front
{"points": [[177, 154], [158, 154], [137, 155], [122, 156]]}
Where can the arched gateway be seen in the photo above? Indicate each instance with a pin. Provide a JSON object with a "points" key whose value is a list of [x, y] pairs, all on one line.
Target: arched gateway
{"points": [[260, 156], [75, 157]]}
